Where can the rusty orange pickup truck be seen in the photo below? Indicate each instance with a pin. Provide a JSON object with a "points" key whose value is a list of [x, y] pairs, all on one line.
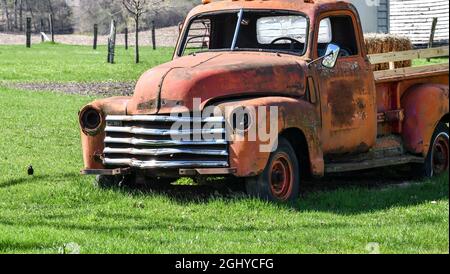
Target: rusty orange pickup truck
{"points": [[271, 92]]}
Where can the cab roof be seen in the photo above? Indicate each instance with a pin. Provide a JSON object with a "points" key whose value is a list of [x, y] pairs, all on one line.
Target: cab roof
{"points": [[309, 7]]}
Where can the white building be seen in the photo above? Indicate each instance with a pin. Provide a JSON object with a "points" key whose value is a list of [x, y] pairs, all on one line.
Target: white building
{"points": [[411, 18]]}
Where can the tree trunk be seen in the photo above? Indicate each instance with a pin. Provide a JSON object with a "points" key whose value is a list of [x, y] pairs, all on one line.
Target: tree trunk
{"points": [[31, 13], [52, 28], [15, 14], [137, 39], [50, 8], [8, 23], [20, 15]]}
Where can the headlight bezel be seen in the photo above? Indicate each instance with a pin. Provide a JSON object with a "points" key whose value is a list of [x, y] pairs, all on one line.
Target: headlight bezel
{"points": [[91, 120]]}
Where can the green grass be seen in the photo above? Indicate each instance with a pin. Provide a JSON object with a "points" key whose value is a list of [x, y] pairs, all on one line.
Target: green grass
{"points": [[432, 61], [66, 63], [57, 206]]}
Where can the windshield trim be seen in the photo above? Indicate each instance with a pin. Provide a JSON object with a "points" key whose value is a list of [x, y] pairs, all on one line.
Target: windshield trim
{"points": [[181, 48]]}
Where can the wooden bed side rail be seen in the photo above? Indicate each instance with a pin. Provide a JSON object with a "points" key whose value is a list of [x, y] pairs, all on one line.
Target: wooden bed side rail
{"points": [[393, 74], [398, 56]]}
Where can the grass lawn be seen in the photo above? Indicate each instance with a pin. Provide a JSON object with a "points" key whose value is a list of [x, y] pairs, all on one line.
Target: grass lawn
{"points": [[432, 61], [66, 63], [57, 206]]}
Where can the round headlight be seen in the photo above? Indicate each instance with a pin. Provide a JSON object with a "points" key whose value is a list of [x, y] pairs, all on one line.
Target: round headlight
{"points": [[90, 119]]}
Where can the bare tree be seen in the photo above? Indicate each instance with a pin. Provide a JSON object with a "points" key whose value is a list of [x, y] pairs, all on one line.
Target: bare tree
{"points": [[8, 23], [101, 12], [137, 8], [15, 13], [20, 15], [30, 10]]}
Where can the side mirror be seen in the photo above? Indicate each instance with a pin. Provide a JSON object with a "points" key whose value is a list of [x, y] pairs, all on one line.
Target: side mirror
{"points": [[331, 56]]}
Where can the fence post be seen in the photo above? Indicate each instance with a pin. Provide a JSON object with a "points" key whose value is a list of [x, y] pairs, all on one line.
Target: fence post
{"points": [[126, 38], [95, 36], [52, 28], [153, 35], [433, 30], [42, 30], [112, 42], [28, 33]]}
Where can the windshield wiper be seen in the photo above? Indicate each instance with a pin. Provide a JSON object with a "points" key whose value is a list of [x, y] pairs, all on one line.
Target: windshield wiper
{"points": [[236, 32]]}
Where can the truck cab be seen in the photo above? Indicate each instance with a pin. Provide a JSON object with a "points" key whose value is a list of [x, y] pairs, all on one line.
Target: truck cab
{"points": [[272, 92]]}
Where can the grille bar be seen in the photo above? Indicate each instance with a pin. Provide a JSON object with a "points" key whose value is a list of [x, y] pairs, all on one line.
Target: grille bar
{"points": [[163, 164], [161, 143], [165, 151], [162, 132], [155, 118]]}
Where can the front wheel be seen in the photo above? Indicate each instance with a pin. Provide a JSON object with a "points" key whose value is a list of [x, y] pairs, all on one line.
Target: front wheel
{"points": [[279, 182], [437, 161]]}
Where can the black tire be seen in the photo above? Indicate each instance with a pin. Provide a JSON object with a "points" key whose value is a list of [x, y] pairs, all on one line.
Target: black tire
{"points": [[437, 161], [280, 180]]}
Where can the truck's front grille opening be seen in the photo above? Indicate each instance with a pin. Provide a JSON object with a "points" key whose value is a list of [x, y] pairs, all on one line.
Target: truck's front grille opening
{"points": [[151, 142]]}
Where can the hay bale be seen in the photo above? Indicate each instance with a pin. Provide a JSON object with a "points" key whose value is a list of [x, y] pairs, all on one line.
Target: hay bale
{"points": [[384, 43]]}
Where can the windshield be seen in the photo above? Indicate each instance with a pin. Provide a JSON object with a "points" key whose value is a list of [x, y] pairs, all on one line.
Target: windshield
{"points": [[257, 30]]}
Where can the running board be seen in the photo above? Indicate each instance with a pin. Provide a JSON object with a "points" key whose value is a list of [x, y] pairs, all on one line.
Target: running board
{"points": [[373, 163]]}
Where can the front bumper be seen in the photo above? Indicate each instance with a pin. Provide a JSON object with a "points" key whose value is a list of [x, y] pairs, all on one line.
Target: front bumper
{"points": [[181, 172]]}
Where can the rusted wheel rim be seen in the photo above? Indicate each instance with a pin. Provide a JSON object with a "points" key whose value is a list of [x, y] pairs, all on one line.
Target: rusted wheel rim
{"points": [[440, 156], [281, 177]]}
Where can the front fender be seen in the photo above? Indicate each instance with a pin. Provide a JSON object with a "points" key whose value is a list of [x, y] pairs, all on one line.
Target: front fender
{"points": [[246, 156], [93, 145], [424, 105]]}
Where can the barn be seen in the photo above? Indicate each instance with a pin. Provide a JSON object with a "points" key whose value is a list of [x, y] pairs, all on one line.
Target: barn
{"points": [[411, 18]]}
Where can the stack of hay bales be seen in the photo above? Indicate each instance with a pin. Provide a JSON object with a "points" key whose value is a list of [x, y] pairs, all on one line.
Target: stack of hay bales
{"points": [[384, 43]]}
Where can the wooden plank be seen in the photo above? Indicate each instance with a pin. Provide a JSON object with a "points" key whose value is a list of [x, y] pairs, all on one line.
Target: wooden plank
{"points": [[406, 72], [391, 65], [381, 58]]}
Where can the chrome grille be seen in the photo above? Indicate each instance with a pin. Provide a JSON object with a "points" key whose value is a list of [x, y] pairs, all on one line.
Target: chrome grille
{"points": [[147, 142]]}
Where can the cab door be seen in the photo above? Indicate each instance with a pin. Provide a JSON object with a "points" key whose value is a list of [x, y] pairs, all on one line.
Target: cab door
{"points": [[347, 91]]}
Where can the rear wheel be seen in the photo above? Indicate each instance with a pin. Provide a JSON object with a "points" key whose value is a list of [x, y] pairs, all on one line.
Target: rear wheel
{"points": [[437, 161], [279, 181]]}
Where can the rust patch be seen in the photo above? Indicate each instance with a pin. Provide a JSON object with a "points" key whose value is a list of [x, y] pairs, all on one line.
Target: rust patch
{"points": [[148, 105], [340, 99]]}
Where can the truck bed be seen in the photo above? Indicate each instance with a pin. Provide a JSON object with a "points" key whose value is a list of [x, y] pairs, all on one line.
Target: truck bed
{"points": [[391, 84]]}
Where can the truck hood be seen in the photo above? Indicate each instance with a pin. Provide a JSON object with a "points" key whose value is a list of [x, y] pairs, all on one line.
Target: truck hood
{"points": [[216, 76]]}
